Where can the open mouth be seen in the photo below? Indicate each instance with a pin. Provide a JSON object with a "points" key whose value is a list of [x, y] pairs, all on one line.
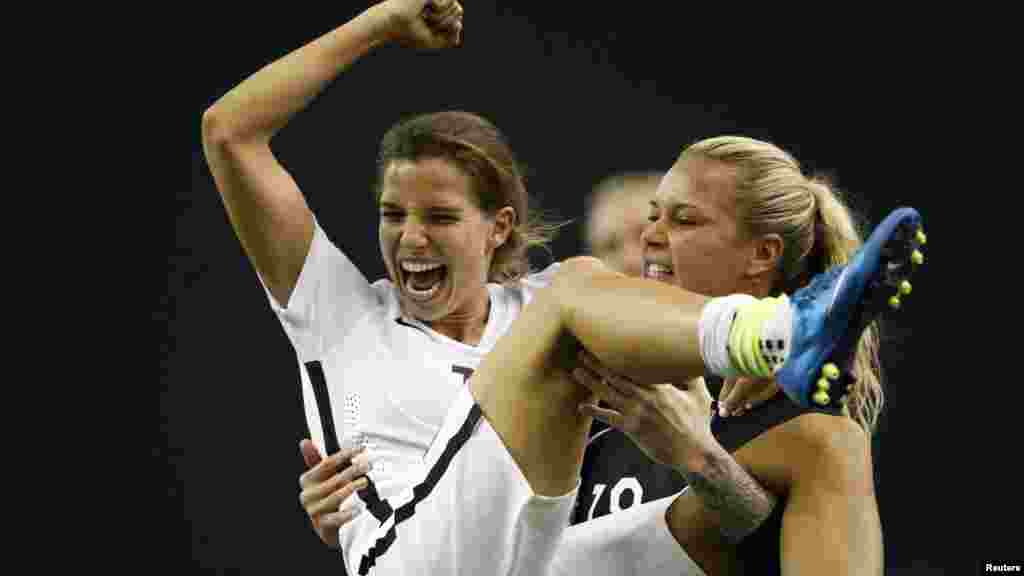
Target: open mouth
{"points": [[658, 272], [422, 280]]}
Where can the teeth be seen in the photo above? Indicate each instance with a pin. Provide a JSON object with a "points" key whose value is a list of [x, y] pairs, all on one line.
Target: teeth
{"points": [[409, 266], [658, 269], [414, 266], [423, 294]]}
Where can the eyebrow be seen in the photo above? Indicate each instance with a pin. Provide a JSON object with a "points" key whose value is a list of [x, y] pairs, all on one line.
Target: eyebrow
{"points": [[434, 209], [676, 205]]}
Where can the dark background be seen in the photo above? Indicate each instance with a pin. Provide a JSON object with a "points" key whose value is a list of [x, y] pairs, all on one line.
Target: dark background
{"points": [[578, 103]]}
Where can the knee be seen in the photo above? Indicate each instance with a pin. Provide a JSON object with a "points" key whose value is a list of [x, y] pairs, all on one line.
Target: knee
{"points": [[573, 275], [579, 268]]}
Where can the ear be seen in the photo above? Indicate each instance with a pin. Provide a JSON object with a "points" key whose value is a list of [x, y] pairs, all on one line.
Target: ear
{"points": [[766, 254], [504, 223]]}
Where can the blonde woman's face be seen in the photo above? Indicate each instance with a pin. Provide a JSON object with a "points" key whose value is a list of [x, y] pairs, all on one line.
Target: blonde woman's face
{"points": [[692, 238]]}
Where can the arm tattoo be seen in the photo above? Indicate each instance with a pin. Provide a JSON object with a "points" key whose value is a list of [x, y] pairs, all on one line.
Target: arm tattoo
{"points": [[727, 490]]}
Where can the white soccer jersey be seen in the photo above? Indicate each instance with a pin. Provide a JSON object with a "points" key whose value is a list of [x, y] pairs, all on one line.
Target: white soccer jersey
{"points": [[387, 382], [390, 379]]}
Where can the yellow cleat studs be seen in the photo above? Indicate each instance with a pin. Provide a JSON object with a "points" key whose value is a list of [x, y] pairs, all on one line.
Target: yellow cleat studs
{"points": [[921, 238], [821, 397], [905, 288], [917, 257], [894, 302], [831, 371], [823, 384]]}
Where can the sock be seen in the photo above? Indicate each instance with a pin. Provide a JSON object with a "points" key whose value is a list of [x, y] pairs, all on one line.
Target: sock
{"points": [[713, 332], [745, 336]]}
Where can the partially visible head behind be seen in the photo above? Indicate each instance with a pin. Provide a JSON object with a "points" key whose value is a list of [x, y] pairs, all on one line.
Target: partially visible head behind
{"points": [[616, 214], [458, 160], [771, 228]]}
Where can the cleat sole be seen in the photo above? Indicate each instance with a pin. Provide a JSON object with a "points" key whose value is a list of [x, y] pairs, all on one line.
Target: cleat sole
{"points": [[900, 257]]}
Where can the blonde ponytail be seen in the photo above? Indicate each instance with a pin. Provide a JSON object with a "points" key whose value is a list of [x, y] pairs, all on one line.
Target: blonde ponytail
{"points": [[773, 196]]}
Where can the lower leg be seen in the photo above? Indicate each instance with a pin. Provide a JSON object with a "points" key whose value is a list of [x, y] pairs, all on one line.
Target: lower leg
{"points": [[645, 330], [655, 333]]}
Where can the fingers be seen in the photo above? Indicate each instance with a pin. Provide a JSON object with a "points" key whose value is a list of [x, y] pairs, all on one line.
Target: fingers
{"points": [[310, 455], [316, 498], [699, 387], [724, 393], [727, 399], [760, 398], [327, 466], [746, 394], [331, 503], [445, 19], [336, 520], [449, 18], [439, 10], [610, 417], [598, 385], [621, 384]]}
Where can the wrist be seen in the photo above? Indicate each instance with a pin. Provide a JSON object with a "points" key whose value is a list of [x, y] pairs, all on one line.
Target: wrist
{"points": [[701, 457], [380, 24]]}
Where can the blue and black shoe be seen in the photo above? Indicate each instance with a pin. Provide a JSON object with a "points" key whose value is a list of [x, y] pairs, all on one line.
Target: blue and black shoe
{"points": [[831, 313]]}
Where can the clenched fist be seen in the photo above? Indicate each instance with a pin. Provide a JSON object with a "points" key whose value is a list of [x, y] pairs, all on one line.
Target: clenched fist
{"points": [[422, 24]]}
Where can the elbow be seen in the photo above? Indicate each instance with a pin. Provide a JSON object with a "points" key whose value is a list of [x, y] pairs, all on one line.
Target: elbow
{"points": [[574, 273], [223, 137], [214, 128], [577, 271]]}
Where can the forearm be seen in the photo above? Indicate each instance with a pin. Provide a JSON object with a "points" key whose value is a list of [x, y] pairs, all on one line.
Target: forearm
{"points": [[732, 499], [263, 103]]}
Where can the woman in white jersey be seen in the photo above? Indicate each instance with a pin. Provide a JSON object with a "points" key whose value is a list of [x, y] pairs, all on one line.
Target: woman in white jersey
{"points": [[451, 492], [393, 355]]}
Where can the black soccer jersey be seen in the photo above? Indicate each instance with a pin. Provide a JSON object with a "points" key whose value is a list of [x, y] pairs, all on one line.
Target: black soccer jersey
{"points": [[617, 475]]}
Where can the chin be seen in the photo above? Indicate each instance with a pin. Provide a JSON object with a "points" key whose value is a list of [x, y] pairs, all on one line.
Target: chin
{"points": [[423, 313]]}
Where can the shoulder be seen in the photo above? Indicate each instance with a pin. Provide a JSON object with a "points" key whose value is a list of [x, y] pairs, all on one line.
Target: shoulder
{"points": [[829, 451], [386, 292], [541, 278], [523, 289]]}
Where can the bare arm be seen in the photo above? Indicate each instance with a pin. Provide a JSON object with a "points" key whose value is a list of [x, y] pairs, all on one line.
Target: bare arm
{"points": [[831, 523], [737, 503], [722, 505], [268, 212], [264, 204], [671, 424]]}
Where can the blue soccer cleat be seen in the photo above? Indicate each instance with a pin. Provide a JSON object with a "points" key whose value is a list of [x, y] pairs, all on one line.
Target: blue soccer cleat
{"points": [[831, 313]]}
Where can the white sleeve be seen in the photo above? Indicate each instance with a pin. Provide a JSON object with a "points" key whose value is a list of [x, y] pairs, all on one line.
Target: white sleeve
{"points": [[538, 281], [633, 541], [331, 295]]}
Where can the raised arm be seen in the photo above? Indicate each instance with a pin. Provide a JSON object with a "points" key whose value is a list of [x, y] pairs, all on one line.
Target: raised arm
{"points": [[264, 204]]}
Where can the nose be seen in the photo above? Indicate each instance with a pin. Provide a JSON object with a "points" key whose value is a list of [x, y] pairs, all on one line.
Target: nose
{"points": [[653, 235], [414, 234]]}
